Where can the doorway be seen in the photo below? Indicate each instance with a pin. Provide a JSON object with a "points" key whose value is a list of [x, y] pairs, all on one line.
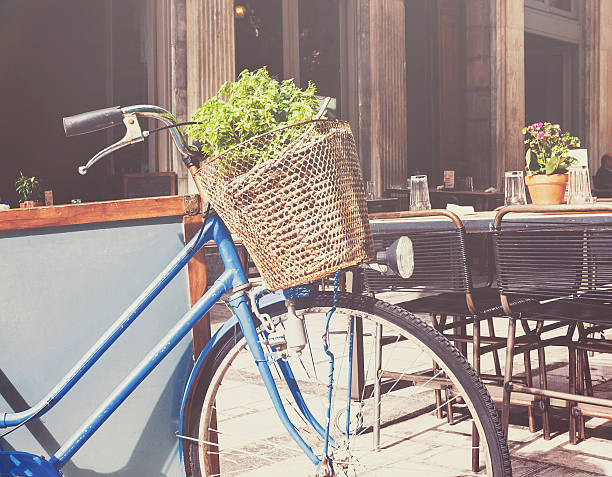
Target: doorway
{"points": [[297, 40], [435, 82], [551, 82]]}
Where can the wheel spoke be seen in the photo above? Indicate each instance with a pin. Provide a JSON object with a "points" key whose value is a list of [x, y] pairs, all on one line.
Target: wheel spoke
{"points": [[247, 438]]}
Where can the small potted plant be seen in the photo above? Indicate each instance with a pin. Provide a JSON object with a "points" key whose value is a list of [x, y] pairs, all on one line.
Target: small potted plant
{"points": [[547, 162], [29, 190]]}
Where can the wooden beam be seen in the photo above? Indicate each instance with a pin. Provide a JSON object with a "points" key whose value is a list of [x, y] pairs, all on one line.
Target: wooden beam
{"points": [[291, 40], [196, 271], [98, 212], [211, 54], [178, 82], [201, 332], [509, 91], [388, 115], [363, 85]]}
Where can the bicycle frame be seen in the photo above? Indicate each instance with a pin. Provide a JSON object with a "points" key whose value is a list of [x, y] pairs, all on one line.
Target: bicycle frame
{"points": [[232, 278]]}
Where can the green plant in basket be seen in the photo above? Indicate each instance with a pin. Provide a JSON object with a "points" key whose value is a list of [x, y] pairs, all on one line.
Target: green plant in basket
{"points": [[252, 105]]}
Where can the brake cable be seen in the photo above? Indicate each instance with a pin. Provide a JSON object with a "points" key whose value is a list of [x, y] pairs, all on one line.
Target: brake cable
{"points": [[328, 352], [170, 126]]}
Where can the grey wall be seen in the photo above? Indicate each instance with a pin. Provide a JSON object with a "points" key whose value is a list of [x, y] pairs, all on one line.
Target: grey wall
{"points": [[60, 289]]}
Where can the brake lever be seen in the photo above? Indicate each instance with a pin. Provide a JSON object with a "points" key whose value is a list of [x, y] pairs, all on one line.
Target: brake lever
{"points": [[133, 135]]}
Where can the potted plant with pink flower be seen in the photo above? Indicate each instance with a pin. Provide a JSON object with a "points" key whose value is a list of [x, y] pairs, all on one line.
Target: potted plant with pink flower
{"points": [[547, 162]]}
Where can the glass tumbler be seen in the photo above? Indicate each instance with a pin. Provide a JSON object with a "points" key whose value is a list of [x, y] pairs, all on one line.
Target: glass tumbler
{"points": [[578, 185], [514, 188], [371, 190], [419, 193], [469, 183]]}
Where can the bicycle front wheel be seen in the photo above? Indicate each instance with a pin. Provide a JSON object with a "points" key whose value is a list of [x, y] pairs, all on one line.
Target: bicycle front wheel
{"points": [[414, 401]]}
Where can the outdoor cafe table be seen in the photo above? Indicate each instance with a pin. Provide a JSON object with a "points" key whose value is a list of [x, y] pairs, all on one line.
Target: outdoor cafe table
{"points": [[480, 222], [479, 199], [479, 225]]}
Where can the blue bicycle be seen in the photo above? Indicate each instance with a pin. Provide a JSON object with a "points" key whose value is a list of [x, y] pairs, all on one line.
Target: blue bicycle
{"points": [[348, 394]]}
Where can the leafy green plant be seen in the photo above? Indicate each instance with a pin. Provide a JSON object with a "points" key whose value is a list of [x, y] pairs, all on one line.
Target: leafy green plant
{"points": [[252, 105], [28, 188], [547, 149]]}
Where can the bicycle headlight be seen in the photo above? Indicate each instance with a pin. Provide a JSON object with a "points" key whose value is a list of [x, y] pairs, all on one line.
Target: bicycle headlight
{"points": [[398, 258]]}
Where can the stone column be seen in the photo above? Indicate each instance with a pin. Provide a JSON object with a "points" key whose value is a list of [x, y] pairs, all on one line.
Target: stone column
{"points": [[178, 83], [363, 83], [291, 40], [478, 93], [209, 55], [598, 90], [508, 22], [388, 113], [605, 72]]}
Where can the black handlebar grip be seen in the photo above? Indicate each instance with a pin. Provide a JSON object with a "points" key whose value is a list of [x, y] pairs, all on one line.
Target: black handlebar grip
{"points": [[93, 121]]}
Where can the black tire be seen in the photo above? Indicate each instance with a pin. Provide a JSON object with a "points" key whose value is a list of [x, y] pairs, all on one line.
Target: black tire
{"points": [[464, 380]]}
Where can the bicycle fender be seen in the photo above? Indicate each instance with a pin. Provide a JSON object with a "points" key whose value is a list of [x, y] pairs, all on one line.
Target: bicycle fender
{"points": [[220, 334], [216, 338]]}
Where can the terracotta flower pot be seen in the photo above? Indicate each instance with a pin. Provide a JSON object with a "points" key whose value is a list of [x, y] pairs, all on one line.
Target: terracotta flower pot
{"points": [[547, 189]]}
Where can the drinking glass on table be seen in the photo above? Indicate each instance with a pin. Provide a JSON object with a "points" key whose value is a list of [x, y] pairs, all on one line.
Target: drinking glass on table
{"points": [[469, 183], [419, 193], [578, 185], [371, 190], [514, 188]]}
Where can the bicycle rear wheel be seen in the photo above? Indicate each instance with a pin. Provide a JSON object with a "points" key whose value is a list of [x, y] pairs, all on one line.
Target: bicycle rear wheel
{"points": [[394, 427]]}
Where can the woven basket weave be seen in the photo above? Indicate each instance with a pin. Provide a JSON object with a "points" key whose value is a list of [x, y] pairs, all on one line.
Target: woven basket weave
{"points": [[301, 213]]}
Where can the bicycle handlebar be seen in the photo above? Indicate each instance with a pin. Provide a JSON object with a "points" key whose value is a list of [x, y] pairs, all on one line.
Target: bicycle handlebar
{"points": [[105, 118], [155, 112], [92, 121]]}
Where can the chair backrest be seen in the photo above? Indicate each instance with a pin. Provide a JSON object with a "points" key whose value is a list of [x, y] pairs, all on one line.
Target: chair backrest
{"points": [[555, 252], [403, 196], [440, 257]]}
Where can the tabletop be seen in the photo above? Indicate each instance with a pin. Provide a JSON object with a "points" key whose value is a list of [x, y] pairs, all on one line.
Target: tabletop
{"points": [[482, 222], [479, 199], [477, 193], [451, 191], [387, 204]]}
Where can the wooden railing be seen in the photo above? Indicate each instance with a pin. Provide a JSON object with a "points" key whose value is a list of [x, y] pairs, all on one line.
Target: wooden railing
{"points": [[96, 212]]}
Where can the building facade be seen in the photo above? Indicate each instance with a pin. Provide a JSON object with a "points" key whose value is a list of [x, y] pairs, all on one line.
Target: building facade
{"points": [[427, 85]]}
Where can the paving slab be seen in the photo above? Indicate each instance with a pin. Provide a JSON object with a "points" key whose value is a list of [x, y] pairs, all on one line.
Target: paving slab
{"points": [[532, 456]]}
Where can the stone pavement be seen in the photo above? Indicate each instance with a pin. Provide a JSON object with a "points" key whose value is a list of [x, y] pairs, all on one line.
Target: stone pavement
{"points": [[531, 454]]}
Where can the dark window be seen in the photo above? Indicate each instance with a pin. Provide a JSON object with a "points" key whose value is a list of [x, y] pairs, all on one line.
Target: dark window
{"points": [[319, 47], [53, 59], [259, 36], [129, 79]]}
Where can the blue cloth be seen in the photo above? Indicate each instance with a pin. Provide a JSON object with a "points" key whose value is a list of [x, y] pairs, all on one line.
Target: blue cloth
{"points": [[300, 291]]}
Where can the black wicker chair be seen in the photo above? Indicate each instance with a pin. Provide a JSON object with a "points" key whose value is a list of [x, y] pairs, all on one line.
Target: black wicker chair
{"points": [[442, 270], [566, 266]]}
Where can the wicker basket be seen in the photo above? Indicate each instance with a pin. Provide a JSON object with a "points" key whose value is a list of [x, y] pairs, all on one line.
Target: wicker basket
{"points": [[301, 214]]}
